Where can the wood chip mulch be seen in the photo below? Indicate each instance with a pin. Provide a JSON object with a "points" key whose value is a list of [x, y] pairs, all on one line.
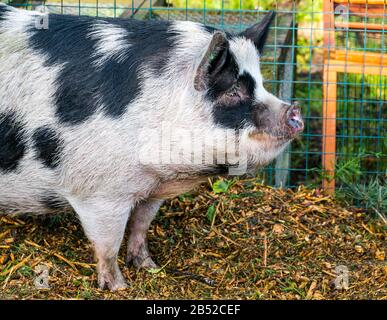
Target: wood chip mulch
{"points": [[251, 242]]}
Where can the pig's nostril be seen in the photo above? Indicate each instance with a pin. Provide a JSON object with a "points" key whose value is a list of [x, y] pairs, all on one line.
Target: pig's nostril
{"points": [[295, 123], [294, 119]]}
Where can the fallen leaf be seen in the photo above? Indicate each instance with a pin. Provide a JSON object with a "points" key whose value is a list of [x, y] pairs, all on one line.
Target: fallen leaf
{"points": [[380, 255], [359, 249], [278, 228]]}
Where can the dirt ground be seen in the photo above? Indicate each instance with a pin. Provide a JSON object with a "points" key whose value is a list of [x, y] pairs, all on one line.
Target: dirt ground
{"points": [[250, 242]]}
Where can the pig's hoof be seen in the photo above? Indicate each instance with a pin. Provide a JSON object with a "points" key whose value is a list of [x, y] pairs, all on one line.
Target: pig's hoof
{"points": [[113, 284], [147, 263], [141, 262], [139, 256]]}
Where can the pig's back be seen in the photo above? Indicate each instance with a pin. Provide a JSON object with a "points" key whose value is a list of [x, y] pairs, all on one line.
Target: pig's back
{"points": [[80, 65], [71, 101]]}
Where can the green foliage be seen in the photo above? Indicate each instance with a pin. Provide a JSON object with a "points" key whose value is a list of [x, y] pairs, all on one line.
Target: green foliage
{"points": [[350, 171], [310, 11], [222, 186], [371, 196], [26, 271], [213, 4], [225, 4], [211, 213], [185, 196], [360, 127]]}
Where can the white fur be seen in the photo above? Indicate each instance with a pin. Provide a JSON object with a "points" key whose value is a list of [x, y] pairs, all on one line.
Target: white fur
{"points": [[247, 58], [112, 42]]}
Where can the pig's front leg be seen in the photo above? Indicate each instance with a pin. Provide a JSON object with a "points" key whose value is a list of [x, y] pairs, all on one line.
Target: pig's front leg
{"points": [[139, 223], [104, 222]]}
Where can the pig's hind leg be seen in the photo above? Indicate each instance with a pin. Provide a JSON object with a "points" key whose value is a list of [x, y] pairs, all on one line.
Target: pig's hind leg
{"points": [[140, 220], [104, 222]]}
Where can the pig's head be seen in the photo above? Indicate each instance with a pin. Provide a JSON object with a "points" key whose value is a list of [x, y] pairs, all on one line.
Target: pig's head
{"points": [[230, 79]]}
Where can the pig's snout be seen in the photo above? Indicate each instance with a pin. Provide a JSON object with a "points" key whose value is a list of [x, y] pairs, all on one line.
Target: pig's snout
{"points": [[294, 119]]}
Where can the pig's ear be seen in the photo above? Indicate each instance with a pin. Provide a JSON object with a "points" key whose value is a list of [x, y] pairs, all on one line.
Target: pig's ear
{"points": [[258, 32], [214, 63]]}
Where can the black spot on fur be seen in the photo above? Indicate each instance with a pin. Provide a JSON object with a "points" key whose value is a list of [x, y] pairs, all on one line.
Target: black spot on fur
{"points": [[235, 116], [12, 143], [83, 86], [67, 42], [53, 201], [3, 11], [209, 29], [247, 82], [48, 146]]}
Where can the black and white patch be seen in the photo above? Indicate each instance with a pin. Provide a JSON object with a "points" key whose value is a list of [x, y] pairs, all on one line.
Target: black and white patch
{"points": [[3, 11], [53, 201], [236, 108], [48, 146], [84, 85], [12, 142]]}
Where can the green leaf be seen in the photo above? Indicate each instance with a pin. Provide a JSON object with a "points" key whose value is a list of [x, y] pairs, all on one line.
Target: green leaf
{"points": [[211, 213], [154, 271], [157, 270], [221, 186]]}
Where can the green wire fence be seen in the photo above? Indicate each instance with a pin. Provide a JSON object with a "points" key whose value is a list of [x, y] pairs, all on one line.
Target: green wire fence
{"points": [[294, 63]]}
